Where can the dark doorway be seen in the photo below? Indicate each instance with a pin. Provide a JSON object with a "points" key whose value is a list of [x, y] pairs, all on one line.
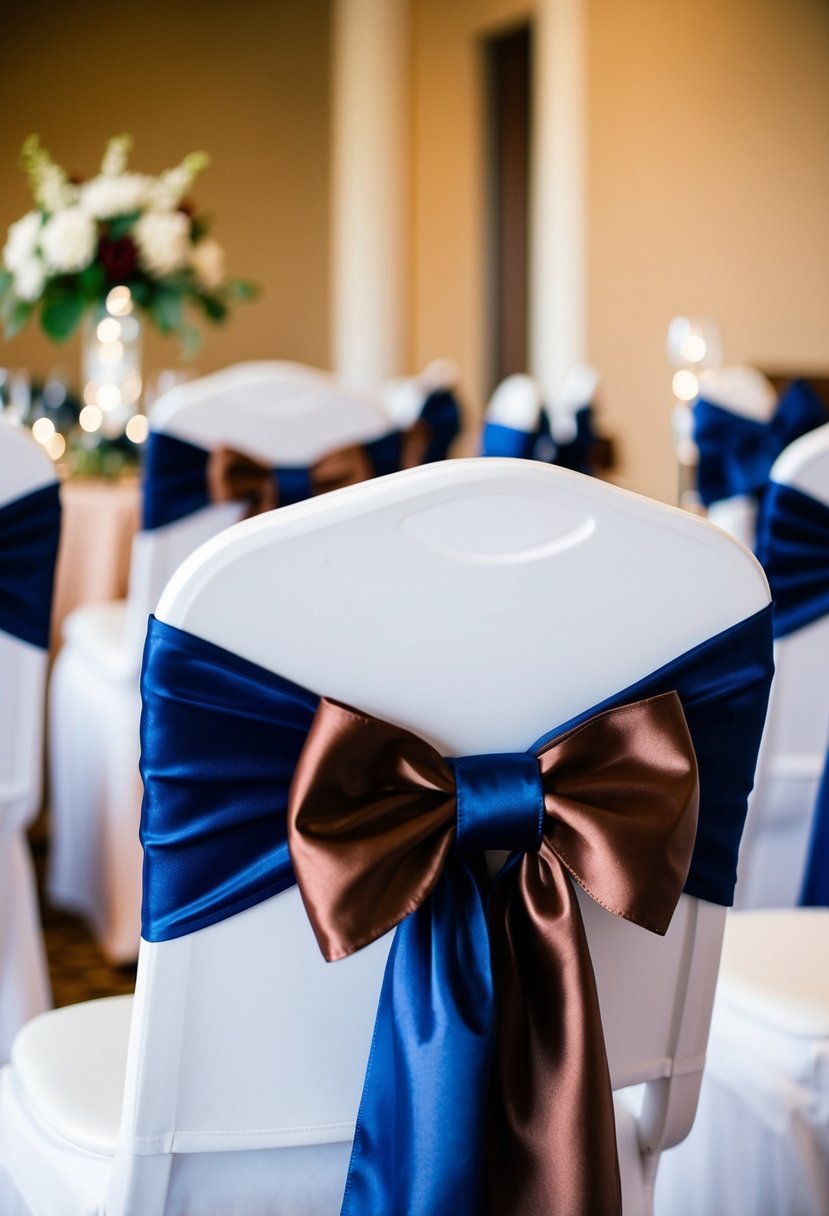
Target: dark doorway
{"points": [[508, 96]]}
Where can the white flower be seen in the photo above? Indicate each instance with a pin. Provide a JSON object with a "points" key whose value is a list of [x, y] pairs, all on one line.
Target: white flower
{"points": [[54, 191], [208, 262], [163, 240], [170, 187], [29, 279], [116, 154], [69, 240], [107, 196], [22, 240]]}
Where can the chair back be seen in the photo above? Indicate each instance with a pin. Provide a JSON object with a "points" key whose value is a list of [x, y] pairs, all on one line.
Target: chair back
{"points": [[793, 751], [24, 468], [283, 414], [478, 603]]}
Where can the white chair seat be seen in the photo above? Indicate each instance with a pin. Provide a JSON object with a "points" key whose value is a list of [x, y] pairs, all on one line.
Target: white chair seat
{"points": [[71, 1064]]}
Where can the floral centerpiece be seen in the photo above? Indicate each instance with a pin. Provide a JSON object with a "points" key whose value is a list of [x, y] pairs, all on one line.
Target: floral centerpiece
{"points": [[118, 229]]}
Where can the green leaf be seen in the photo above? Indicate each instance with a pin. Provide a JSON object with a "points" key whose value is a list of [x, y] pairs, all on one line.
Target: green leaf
{"points": [[121, 225], [242, 289], [16, 314], [61, 315], [214, 308], [6, 281], [141, 292], [93, 282], [167, 310]]}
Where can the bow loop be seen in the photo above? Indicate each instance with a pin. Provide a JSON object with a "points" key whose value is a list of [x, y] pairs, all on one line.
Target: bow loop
{"points": [[624, 785]]}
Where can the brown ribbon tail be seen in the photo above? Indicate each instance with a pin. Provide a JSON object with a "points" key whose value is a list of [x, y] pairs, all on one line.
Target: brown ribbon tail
{"points": [[236, 477], [371, 817], [621, 796]]}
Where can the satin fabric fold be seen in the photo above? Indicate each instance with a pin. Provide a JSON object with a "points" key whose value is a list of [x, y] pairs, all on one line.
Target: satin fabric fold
{"points": [[793, 548], [220, 741], [180, 478], [29, 536], [736, 453], [376, 825]]}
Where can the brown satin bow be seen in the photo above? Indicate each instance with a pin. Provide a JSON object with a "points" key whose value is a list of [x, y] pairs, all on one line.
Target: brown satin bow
{"points": [[371, 821], [235, 477]]}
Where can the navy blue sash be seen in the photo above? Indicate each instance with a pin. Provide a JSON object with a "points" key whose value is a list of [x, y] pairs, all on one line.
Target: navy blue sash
{"points": [[793, 546], [500, 440], [441, 413], [220, 738], [175, 476], [736, 453], [29, 534]]}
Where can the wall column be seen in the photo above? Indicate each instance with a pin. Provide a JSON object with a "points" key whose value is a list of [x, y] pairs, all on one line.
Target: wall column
{"points": [[558, 223], [370, 187]]}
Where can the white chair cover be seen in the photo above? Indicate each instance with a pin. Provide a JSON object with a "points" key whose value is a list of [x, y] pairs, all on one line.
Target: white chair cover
{"points": [[241, 1038], [24, 983], [284, 413], [760, 1144], [794, 748]]}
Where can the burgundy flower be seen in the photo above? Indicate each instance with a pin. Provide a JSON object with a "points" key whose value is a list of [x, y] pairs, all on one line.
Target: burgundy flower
{"points": [[117, 258]]}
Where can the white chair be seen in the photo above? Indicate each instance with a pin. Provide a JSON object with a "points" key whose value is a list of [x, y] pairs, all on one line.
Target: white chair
{"points": [[512, 418], [439, 584], [745, 393], [24, 984], [760, 1143], [415, 403], [794, 747], [284, 417]]}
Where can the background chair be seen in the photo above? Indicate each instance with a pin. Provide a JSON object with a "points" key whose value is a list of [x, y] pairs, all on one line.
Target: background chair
{"points": [[242, 1040], [283, 417], [794, 748], [760, 1143], [517, 423], [25, 470], [740, 427]]}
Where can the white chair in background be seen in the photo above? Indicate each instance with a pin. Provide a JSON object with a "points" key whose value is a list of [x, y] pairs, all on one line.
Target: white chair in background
{"points": [[794, 748], [512, 418], [24, 985], [747, 394], [282, 418], [246, 1051], [760, 1143], [409, 402]]}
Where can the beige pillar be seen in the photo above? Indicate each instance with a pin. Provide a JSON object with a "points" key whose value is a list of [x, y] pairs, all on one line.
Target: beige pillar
{"points": [[370, 126], [558, 259]]}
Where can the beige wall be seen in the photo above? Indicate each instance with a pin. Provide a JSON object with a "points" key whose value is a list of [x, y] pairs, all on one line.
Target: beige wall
{"points": [[708, 193], [245, 80], [707, 188]]}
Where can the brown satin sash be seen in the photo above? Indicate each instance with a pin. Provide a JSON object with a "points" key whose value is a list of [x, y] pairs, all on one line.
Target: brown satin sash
{"points": [[236, 477], [371, 823]]}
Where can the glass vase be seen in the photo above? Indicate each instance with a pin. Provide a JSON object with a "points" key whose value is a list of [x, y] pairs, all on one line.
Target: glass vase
{"points": [[111, 367]]}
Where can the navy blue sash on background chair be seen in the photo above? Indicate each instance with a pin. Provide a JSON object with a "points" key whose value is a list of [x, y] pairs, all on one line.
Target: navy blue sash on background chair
{"points": [[740, 428], [29, 531], [493, 695]]}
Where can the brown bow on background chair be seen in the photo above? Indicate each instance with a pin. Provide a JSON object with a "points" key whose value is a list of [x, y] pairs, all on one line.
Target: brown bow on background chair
{"points": [[236, 477], [376, 814]]}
